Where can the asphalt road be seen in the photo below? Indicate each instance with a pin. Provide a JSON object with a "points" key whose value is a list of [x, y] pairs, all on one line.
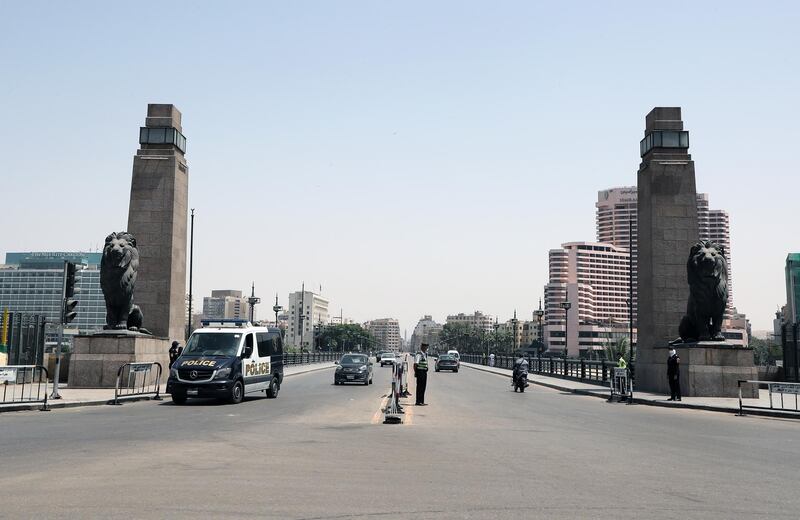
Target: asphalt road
{"points": [[318, 451]]}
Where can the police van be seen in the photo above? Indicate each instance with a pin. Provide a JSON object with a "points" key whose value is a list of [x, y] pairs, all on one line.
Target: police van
{"points": [[228, 359]]}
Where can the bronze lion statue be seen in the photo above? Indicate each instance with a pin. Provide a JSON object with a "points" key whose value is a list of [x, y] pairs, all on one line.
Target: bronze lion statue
{"points": [[707, 271], [118, 269]]}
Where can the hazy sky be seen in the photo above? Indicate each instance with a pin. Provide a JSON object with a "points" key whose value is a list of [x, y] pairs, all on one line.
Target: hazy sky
{"points": [[411, 157]]}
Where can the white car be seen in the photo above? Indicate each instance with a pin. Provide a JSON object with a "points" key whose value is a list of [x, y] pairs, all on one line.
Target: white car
{"points": [[388, 358], [454, 353]]}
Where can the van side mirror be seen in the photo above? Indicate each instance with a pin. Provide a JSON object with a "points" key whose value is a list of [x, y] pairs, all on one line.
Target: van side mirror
{"points": [[247, 352], [335, 362]]}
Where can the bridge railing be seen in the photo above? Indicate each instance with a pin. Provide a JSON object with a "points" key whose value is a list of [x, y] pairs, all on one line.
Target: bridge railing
{"points": [[304, 358], [587, 370]]}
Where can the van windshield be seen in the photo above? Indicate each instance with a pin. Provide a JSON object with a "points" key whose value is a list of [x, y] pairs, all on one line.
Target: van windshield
{"points": [[224, 344]]}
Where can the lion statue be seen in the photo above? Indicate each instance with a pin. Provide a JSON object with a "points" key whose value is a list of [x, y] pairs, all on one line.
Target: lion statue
{"points": [[118, 268], [707, 270]]}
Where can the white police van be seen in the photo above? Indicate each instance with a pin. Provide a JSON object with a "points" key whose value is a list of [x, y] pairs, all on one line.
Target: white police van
{"points": [[228, 359]]}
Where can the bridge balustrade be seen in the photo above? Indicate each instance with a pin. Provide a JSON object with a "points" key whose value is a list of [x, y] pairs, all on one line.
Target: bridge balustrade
{"points": [[588, 370]]}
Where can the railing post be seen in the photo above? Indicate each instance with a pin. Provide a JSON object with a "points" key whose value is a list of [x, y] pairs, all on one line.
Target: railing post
{"points": [[158, 382], [583, 369]]}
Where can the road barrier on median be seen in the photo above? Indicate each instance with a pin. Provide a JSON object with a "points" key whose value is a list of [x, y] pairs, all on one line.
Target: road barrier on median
{"points": [[137, 379], [775, 389], [621, 385], [24, 384], [393, 413]]}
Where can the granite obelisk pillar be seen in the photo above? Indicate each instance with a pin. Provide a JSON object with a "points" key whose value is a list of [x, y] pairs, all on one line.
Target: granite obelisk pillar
{"points": [[157, 217], [667, 209]]}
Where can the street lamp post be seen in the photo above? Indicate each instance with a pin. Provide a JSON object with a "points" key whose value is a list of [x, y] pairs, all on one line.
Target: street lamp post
{"points": [[539, 313], [514, 322], [566, 306], [276, 309]]}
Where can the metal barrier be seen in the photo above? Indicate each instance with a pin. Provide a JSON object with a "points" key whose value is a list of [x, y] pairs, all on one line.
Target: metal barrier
{"points": [[393, 413], [621, 385], [774, 387], [23, 381], [599, 371], [137, 381]]}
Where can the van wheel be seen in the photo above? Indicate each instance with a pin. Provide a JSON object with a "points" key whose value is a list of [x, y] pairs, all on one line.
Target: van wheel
{"points": [[237, 393], [178, 398], [272, 391]]}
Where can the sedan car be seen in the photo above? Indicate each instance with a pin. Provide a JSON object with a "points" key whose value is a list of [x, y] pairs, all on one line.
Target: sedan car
{"points": [[388, 358], [447, 362], [353, 368]]}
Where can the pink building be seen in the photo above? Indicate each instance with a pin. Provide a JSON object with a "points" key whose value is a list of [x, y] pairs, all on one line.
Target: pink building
{"points": [[595, 278]]}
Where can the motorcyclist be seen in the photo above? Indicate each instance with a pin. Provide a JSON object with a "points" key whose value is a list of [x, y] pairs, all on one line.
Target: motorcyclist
{"points": [[520, 371]]}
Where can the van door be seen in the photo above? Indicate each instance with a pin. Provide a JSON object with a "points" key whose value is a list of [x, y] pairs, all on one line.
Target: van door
{"points": [[252, 367]]}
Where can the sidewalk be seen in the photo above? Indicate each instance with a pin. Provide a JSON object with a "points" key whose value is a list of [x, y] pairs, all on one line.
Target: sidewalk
{"points": [[713, 404], [72, 397]]}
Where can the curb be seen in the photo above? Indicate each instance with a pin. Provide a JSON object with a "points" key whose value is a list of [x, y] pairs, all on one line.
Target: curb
{"points": [[638, 400], [23, 407], [52, 405]]}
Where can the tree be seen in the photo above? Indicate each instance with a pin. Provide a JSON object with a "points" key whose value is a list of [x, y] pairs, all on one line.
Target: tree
{"points": [[765, 351], [344, 338], [617, 349]]}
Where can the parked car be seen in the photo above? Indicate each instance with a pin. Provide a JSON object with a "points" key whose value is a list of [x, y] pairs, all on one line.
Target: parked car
{"points": [[353, 368], [447, 362], [388, 358]]}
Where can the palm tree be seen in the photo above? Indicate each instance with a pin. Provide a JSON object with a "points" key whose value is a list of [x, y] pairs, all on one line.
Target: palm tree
{"points": [[617, 349]]}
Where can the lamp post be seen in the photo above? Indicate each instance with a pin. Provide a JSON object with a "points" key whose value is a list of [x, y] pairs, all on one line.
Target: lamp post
{"points": [[514, 322], [276, 309], [566, 306], [252, 301], [539, 313], [191, 265]]}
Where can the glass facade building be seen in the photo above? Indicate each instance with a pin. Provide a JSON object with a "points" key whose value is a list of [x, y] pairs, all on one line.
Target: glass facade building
{"points": [[793, 288], [31, 283]]}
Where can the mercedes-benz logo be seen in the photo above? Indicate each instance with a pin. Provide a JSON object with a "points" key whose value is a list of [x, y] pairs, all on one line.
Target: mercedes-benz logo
{"points": [[193, 374]]}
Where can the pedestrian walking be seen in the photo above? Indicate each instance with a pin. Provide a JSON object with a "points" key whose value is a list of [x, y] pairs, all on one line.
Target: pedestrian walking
{"points": [[421, 373], [674, 375], [491, 359], [174, 352]]}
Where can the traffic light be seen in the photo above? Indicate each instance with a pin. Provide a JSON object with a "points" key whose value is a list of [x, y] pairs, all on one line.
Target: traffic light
{"points": [[68, 312], [69, 285]]}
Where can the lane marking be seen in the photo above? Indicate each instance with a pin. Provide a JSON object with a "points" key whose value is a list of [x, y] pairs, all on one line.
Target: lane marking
{"points": [[409, 418], [377, 418]]}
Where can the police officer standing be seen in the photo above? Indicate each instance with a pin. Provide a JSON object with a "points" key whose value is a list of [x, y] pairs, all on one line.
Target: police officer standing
{"points": [[674, 375], [174, 352], [421, 373]]}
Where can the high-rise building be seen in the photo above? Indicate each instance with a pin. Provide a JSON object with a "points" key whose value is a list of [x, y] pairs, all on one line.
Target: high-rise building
{"points": [[595, 279], [307, 310], [477, 320], [792, 312], [225, 305], [616, 217], [31, 283], [386, 332], [426, 331]]}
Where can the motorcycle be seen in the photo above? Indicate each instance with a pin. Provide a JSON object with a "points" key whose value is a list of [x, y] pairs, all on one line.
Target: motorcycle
{"points": [[519, 377]]}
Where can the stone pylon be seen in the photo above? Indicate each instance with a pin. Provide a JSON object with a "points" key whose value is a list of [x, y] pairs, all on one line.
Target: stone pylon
{"points": [[667, 208], [157, 217]]}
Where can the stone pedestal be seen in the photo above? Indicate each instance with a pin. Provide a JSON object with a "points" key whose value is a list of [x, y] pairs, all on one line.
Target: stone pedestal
{"points": [[708, 369], [96, 359]]}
